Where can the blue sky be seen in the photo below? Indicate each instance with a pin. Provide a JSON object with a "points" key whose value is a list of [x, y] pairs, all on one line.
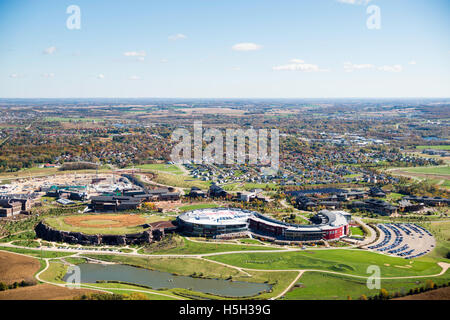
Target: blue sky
{"points": [[232, 48]]}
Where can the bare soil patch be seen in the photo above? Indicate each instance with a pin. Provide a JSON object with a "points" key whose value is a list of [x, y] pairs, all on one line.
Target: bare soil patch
{"points": [[15, 268], [43, 292]]}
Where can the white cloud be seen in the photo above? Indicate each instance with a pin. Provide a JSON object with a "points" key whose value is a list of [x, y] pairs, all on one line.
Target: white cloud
{"points": [[246, 46], [164, 60], [350, 67], [394, 68], [178, 36], [101, 76], [48, 75], [49, 50], [298, 65], [134, 78], [412, 62], [141, 53], [236, 69], [357, 2]]}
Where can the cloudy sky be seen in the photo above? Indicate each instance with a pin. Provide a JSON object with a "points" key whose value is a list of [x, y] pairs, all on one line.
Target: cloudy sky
{"points": [[232, 48]]}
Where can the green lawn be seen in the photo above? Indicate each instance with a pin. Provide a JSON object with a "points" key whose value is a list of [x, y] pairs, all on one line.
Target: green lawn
{"points": [[342, 260], [320, 286], [198, 206], [356, 231]]}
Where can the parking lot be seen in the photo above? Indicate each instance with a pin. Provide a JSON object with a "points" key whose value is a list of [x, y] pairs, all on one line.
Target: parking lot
{"points": [[404, 240]]}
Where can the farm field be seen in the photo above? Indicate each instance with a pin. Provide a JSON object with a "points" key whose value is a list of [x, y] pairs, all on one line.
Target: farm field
{"points": [[43, 292], [15, 268], [346, 261]]}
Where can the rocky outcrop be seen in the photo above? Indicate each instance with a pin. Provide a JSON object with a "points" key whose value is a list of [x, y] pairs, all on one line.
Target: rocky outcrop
{"points": [[46, 232]]}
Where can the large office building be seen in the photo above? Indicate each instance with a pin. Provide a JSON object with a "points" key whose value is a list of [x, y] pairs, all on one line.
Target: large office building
{"points": [[327, 225]]}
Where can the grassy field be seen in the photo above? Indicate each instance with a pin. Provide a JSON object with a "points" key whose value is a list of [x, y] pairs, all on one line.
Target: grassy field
{"points": [[344, 261], [59, 223], [442, 147], [441, 232], [55, 272], [169, 168], [177, 180], [320, 286], [191, 247], [443, 170]]}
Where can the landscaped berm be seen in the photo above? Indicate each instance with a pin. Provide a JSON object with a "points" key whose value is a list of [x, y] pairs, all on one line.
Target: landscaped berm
{"points": [[98, 229]]}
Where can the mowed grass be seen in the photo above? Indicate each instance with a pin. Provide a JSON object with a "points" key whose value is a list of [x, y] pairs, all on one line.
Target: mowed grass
{"points": [[322, 286], [191, 247], [59, 224], [343, 261]]}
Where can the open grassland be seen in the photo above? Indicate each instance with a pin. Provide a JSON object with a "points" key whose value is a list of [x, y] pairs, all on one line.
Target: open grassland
{"points": [[344, 261], [15, 268], [321, 286], [103, 224], [185, 246]]}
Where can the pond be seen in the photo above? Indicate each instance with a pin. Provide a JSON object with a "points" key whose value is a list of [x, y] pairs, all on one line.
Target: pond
{"points": [[92, 272]]}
